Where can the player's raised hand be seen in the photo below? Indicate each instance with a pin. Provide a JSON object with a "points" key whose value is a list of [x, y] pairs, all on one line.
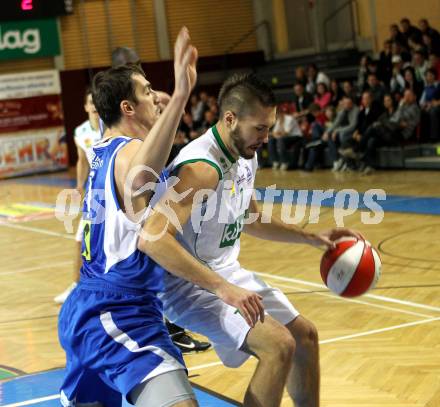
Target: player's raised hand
{"points": [[185, 60], [248, 303]]}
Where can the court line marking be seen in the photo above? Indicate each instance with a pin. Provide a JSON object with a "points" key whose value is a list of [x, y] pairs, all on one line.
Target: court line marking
{"points": [[371, 304], [275, 277], [374, 296], [206, 365], [38, 230], [29, 269]]}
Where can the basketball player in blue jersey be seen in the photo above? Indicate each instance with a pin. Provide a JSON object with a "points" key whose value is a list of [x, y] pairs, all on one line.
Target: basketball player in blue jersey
{"points": [[220, 167], [111, 326]]}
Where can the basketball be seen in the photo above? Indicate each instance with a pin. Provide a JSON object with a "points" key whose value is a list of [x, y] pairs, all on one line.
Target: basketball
{"points": [[352, 268]]}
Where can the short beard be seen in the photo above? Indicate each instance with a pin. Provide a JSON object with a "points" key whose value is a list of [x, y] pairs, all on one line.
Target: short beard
{"points": [[239, 143]]}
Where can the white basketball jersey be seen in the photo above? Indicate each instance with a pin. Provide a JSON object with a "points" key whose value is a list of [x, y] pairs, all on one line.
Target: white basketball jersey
{"points": [[85, 137], [212, 234]]}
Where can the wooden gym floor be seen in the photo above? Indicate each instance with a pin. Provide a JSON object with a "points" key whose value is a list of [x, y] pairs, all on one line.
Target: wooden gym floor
{"points": [[382, 349]]}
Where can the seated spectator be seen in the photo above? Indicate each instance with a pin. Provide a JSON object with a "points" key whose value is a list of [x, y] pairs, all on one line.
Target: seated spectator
{"points": [[409, 30], [197, 109], [301, 98], [416, 44], [348, 90], [362, 75], [369, 113], [420, 65], [314, 77], [188, 127], [390, 130], [396, 36], [323, 96], [385, 63], [300, 75], [399, 49], [336, 91], [426, 29], [329, 117], [434, 63], [285, 135], [209, 120], [397, 82], [341, 130], [429, 102], [411, 82], [376, 88], [312, 144], [431, 46]]}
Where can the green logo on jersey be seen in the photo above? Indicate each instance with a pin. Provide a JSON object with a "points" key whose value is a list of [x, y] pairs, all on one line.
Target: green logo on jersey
{"points": [[232, 231]]}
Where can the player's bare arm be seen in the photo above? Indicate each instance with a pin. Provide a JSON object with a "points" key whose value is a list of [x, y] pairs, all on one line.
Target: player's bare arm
{"points": [[195, 177], [278, 231], [82, 169]]}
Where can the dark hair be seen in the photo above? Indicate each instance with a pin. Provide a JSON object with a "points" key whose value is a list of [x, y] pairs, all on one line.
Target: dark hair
{"points": [[124, 55], [240, 92], [110, 88], [87, 92], [431, 70], [405, 20]]}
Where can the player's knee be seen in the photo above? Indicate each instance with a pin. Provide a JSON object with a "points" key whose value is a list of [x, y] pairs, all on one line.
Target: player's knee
{"points": [[280, 347]]}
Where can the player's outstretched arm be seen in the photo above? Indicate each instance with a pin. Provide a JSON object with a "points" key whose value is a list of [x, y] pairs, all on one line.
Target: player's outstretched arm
{"points": [[175, 259], [155, 149], [278, 231]]}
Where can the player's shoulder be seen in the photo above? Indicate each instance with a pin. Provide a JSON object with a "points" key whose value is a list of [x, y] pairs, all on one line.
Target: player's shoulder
{"points": [[199, 175]]}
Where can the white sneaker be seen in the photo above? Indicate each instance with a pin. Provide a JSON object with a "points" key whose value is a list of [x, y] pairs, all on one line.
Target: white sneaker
{"points": [[337, 165], [284, 167], [275, 165], [60, 298]]}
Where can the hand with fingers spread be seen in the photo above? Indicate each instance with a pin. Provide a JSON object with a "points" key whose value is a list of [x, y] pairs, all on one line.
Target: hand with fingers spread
{"points": [[185, 60], [248, 303], [329, 237]]}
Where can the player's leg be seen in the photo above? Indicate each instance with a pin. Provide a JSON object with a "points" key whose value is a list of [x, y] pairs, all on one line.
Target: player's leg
{"points": [[304, 378], [168, 389], [274, 347]]}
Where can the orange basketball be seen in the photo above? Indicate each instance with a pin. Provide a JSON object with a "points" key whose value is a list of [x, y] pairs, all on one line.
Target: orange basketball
{"points": [[352, 268]]}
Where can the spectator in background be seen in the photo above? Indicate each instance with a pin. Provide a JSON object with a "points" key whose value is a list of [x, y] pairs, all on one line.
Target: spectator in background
{"points": [[180, 141], [376, 88], [300, 75], [429, 102], [197, 110], [416, 44], [398, 49], [313, 144], [209, 120], [369, 113], [285, 135], [426, 29], [385, 70], [390, 130], [188, 127], [314, 77], [341, 130], [409, 30], [412, 83], [301, 98], [396, 36], [362, 75], [323, 96], [431, 46], [397, 82], [329, 117], [434, 63], [348, 90], [420, 65], [336, 92]]}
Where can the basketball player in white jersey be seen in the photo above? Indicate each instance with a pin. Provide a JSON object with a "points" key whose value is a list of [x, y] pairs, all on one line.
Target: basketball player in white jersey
{"points": [[217, 173], [86, 135]]}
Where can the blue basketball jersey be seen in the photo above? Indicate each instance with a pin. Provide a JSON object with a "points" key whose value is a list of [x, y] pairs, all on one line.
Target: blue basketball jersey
{"points": [[109, 246]]}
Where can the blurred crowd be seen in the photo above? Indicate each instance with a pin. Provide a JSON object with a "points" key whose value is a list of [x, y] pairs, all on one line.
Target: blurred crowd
{"points": [[395, 100]]}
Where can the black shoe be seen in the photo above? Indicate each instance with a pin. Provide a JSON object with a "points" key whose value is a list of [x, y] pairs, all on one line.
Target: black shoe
{"points": [[187, 344]]}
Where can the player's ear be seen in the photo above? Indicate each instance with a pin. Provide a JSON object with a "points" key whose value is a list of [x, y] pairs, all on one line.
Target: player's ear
{"points": [[127, 108], [229, 118]]}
